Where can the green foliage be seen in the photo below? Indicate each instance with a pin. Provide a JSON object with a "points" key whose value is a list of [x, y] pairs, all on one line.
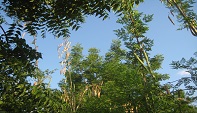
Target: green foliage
{"points": [[22, 97], [53, 15], [185, 13], [122, 85], [125, 80], [58, 16], [190, 67], [16, 64]]}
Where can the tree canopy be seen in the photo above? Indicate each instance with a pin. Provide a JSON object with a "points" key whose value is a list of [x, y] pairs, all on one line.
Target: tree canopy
{"points": [[124, 80]]}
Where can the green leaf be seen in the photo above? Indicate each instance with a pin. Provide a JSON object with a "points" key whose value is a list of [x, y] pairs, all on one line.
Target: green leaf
{"points": [[1, 102], [20, 86]]}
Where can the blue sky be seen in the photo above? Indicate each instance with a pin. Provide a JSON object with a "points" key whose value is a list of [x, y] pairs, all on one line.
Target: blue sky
{"points": [[169, 42]]}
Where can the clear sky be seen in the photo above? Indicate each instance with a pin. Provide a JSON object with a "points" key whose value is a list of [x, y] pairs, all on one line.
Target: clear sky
{"points": [[169, 42]]}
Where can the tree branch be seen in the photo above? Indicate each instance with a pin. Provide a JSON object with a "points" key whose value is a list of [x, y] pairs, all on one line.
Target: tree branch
{"points": [[191, 26], [6, 37]]}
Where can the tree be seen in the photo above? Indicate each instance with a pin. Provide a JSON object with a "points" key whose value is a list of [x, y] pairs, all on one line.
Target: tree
{"points": [[155, 98], [89, 79], [125, 74], [17, 58], [16, 64]]}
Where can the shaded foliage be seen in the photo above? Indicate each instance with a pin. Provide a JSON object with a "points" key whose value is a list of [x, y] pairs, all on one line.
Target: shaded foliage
{"points": [[124, 80]]}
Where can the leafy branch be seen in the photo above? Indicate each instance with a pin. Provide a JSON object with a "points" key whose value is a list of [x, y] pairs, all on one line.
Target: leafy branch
{"points": [[185, 13]]}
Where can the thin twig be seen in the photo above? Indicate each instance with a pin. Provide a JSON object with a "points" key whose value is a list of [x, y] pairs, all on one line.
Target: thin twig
{"points": [[4, 33]]}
